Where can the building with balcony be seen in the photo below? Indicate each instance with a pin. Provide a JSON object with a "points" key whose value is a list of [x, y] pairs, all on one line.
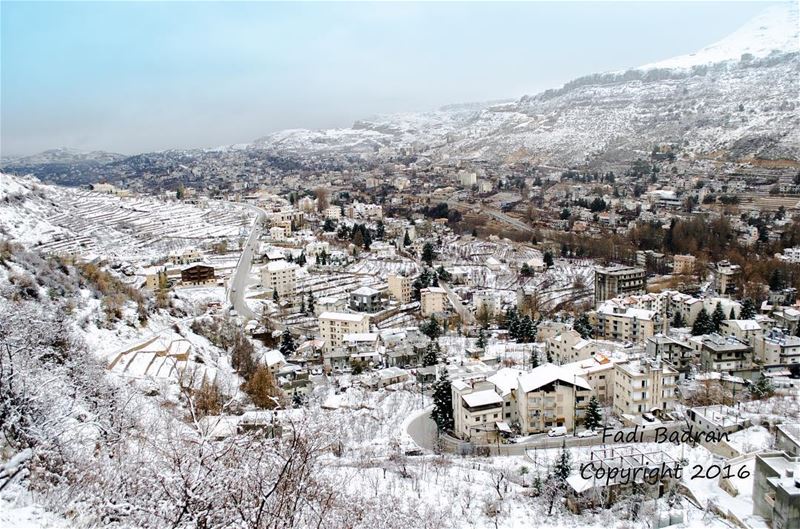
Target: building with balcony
{"points": [[618, 280], [644, 386]]}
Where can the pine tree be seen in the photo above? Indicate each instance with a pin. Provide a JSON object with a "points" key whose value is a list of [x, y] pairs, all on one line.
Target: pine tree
{"points": [[302, 305], [481, 340], [732, 315], [310, 302], [431, 356], [534, 359], [583, 326], [287, 343], [748, 311], [717, 317], [702, 324], [442, 412], [762, 388], [406, 239], [593, 416], [428, 255], [431, 328], [677, 320], [275, 296], [548, 259]]}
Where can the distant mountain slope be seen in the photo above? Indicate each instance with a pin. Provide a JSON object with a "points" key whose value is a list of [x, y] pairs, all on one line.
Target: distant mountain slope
{"points": [[733, 100]]}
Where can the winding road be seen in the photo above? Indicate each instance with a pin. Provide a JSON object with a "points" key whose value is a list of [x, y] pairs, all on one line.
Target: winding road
{"points": [[238, 282]]}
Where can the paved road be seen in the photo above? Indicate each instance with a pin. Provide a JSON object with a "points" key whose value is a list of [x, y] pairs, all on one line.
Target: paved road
{"points": [[495, 214], [422, 430], [238, 281]]}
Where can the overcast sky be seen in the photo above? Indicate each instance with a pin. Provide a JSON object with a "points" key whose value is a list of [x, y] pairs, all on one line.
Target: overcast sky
{"points": [[134, 77]]}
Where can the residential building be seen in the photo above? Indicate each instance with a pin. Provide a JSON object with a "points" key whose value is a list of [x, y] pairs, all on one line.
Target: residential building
{"points": [[644, 386], [618, 280], [334, 325], [550, 396], [433, 300], [721, 353], [776, 489], [777, 347], [198, 274], [569, 346], [279, 276], [683, 264], [365, 299], [725, 277], [679, 354], [787, 438], [477, 410], [613, 322], [400, 287]]}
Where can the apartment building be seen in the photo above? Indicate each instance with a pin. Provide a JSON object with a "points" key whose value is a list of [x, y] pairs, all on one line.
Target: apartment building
{"points": [[721, 353], [777, 347], [279, 276], [334, 325], [642, 386], [569, 346], [676, 352], [614, 322], [683, 264], [550, 396], [477, 410], [365, 299], [776, 489], [400, 288], [598, 371], [725, 277], [433, 300], [618, 280]]}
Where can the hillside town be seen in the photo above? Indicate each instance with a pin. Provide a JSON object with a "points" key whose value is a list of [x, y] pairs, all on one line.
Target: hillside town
{"points": [[573, 309]]}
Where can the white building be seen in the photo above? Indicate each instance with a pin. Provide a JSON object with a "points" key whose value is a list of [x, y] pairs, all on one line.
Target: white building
{"points": [[334, 325], [279, 276]]}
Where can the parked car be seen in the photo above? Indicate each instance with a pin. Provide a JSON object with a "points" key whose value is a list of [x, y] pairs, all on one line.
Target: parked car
{"points": [[587, 433], [558, 431]]}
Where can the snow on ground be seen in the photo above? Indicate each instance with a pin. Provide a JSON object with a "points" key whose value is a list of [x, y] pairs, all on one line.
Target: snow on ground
{"points": [[19, 510], [774, 29]]}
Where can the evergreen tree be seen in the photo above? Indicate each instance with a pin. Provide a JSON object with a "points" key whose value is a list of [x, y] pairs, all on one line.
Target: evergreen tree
{"points": [[677, 320], [534, 359], [287, 343], [593, 416], [481, 340], [310, 304], [431, 356], [583, 326], [428, 255], [548, 259], [732, 315], [380, 231], [702, 324], [406, 239], [526, 271], [748, 311], [718, 316], [302, 305], [275, 296], [442, 413], [431, 328], [762, 388]]}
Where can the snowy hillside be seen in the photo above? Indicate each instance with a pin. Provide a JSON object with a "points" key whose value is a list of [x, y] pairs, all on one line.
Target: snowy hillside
{"points": [[774, 30], [736, 98]]}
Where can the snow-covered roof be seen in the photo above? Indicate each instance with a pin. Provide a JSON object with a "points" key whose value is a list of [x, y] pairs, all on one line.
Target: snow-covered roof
{"points": [[547, 374], [365, 291], [343, 316], [274, 357], [360, 337], [505, 379], [277, 266], [744, 325], [485, 397]]}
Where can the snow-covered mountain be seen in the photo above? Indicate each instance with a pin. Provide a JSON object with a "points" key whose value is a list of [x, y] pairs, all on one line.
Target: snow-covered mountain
{"points": [[734, 99]]}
